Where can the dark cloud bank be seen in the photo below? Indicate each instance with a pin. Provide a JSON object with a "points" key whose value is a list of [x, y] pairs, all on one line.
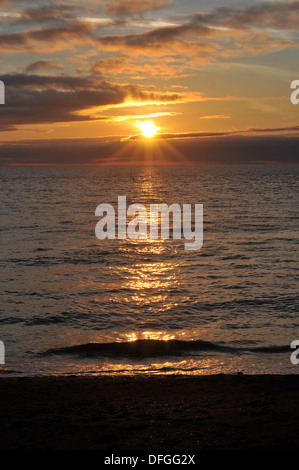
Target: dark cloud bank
{"points": [[230, 149], [44, 99]]}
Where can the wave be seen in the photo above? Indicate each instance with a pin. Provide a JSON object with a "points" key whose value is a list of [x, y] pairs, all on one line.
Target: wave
{"points": [[151, 348]]}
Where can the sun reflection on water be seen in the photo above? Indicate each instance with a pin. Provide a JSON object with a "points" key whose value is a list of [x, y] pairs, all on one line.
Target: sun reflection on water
{"points": [[149, 283], [153, 335]]}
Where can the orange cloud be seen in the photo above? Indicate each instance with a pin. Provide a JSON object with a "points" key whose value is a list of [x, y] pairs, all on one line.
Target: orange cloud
{"points": [[204, 37], [52, 37], [216, 116], [120, 7], [43, 99], [124, 65]]}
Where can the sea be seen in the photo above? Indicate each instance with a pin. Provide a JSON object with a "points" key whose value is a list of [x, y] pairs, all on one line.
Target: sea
{"points": [[71, 304]]}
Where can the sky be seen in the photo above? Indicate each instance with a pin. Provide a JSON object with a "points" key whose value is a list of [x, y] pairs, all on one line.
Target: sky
{"points": [[212, 76]]}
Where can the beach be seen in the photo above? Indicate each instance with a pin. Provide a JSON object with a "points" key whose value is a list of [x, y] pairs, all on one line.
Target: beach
{"points": [[145, 413]]}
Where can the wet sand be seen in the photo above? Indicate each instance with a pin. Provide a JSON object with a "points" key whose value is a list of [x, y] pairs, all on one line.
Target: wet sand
{"points": [[166, 413]]}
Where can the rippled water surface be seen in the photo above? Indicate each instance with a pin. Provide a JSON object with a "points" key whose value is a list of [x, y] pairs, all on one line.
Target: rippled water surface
{"points": [[149, 305]]}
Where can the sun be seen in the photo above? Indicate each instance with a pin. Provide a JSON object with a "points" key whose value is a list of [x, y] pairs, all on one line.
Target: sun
{"points": [[148, 128]]}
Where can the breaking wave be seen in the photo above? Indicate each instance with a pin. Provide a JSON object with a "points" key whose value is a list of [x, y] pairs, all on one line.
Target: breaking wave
{"points": [[151, 348]]}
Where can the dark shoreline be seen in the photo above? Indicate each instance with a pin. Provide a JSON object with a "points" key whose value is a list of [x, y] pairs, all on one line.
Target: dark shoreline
{"points": [[165, 413]]}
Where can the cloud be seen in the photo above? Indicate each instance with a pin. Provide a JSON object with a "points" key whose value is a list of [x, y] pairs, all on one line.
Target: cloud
{"points": [[48, 13], [154, 38], [123, 7], [52, 37], [226, 149], [204, 37], [142, 69], [48, 98], [284, 15], [138, 117], [274, 129], [42, 65], [111, 65], [220, 32], [35, 99], [38, 99], [9, 2], [184, 135], [285, 131], [216, 116]]}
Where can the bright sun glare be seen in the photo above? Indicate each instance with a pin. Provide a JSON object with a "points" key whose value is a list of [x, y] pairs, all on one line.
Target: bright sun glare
{"points": [[148, 128]]}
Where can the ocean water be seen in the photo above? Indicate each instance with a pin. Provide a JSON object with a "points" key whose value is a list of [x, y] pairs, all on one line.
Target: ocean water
{"points": [[73, 304]]}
